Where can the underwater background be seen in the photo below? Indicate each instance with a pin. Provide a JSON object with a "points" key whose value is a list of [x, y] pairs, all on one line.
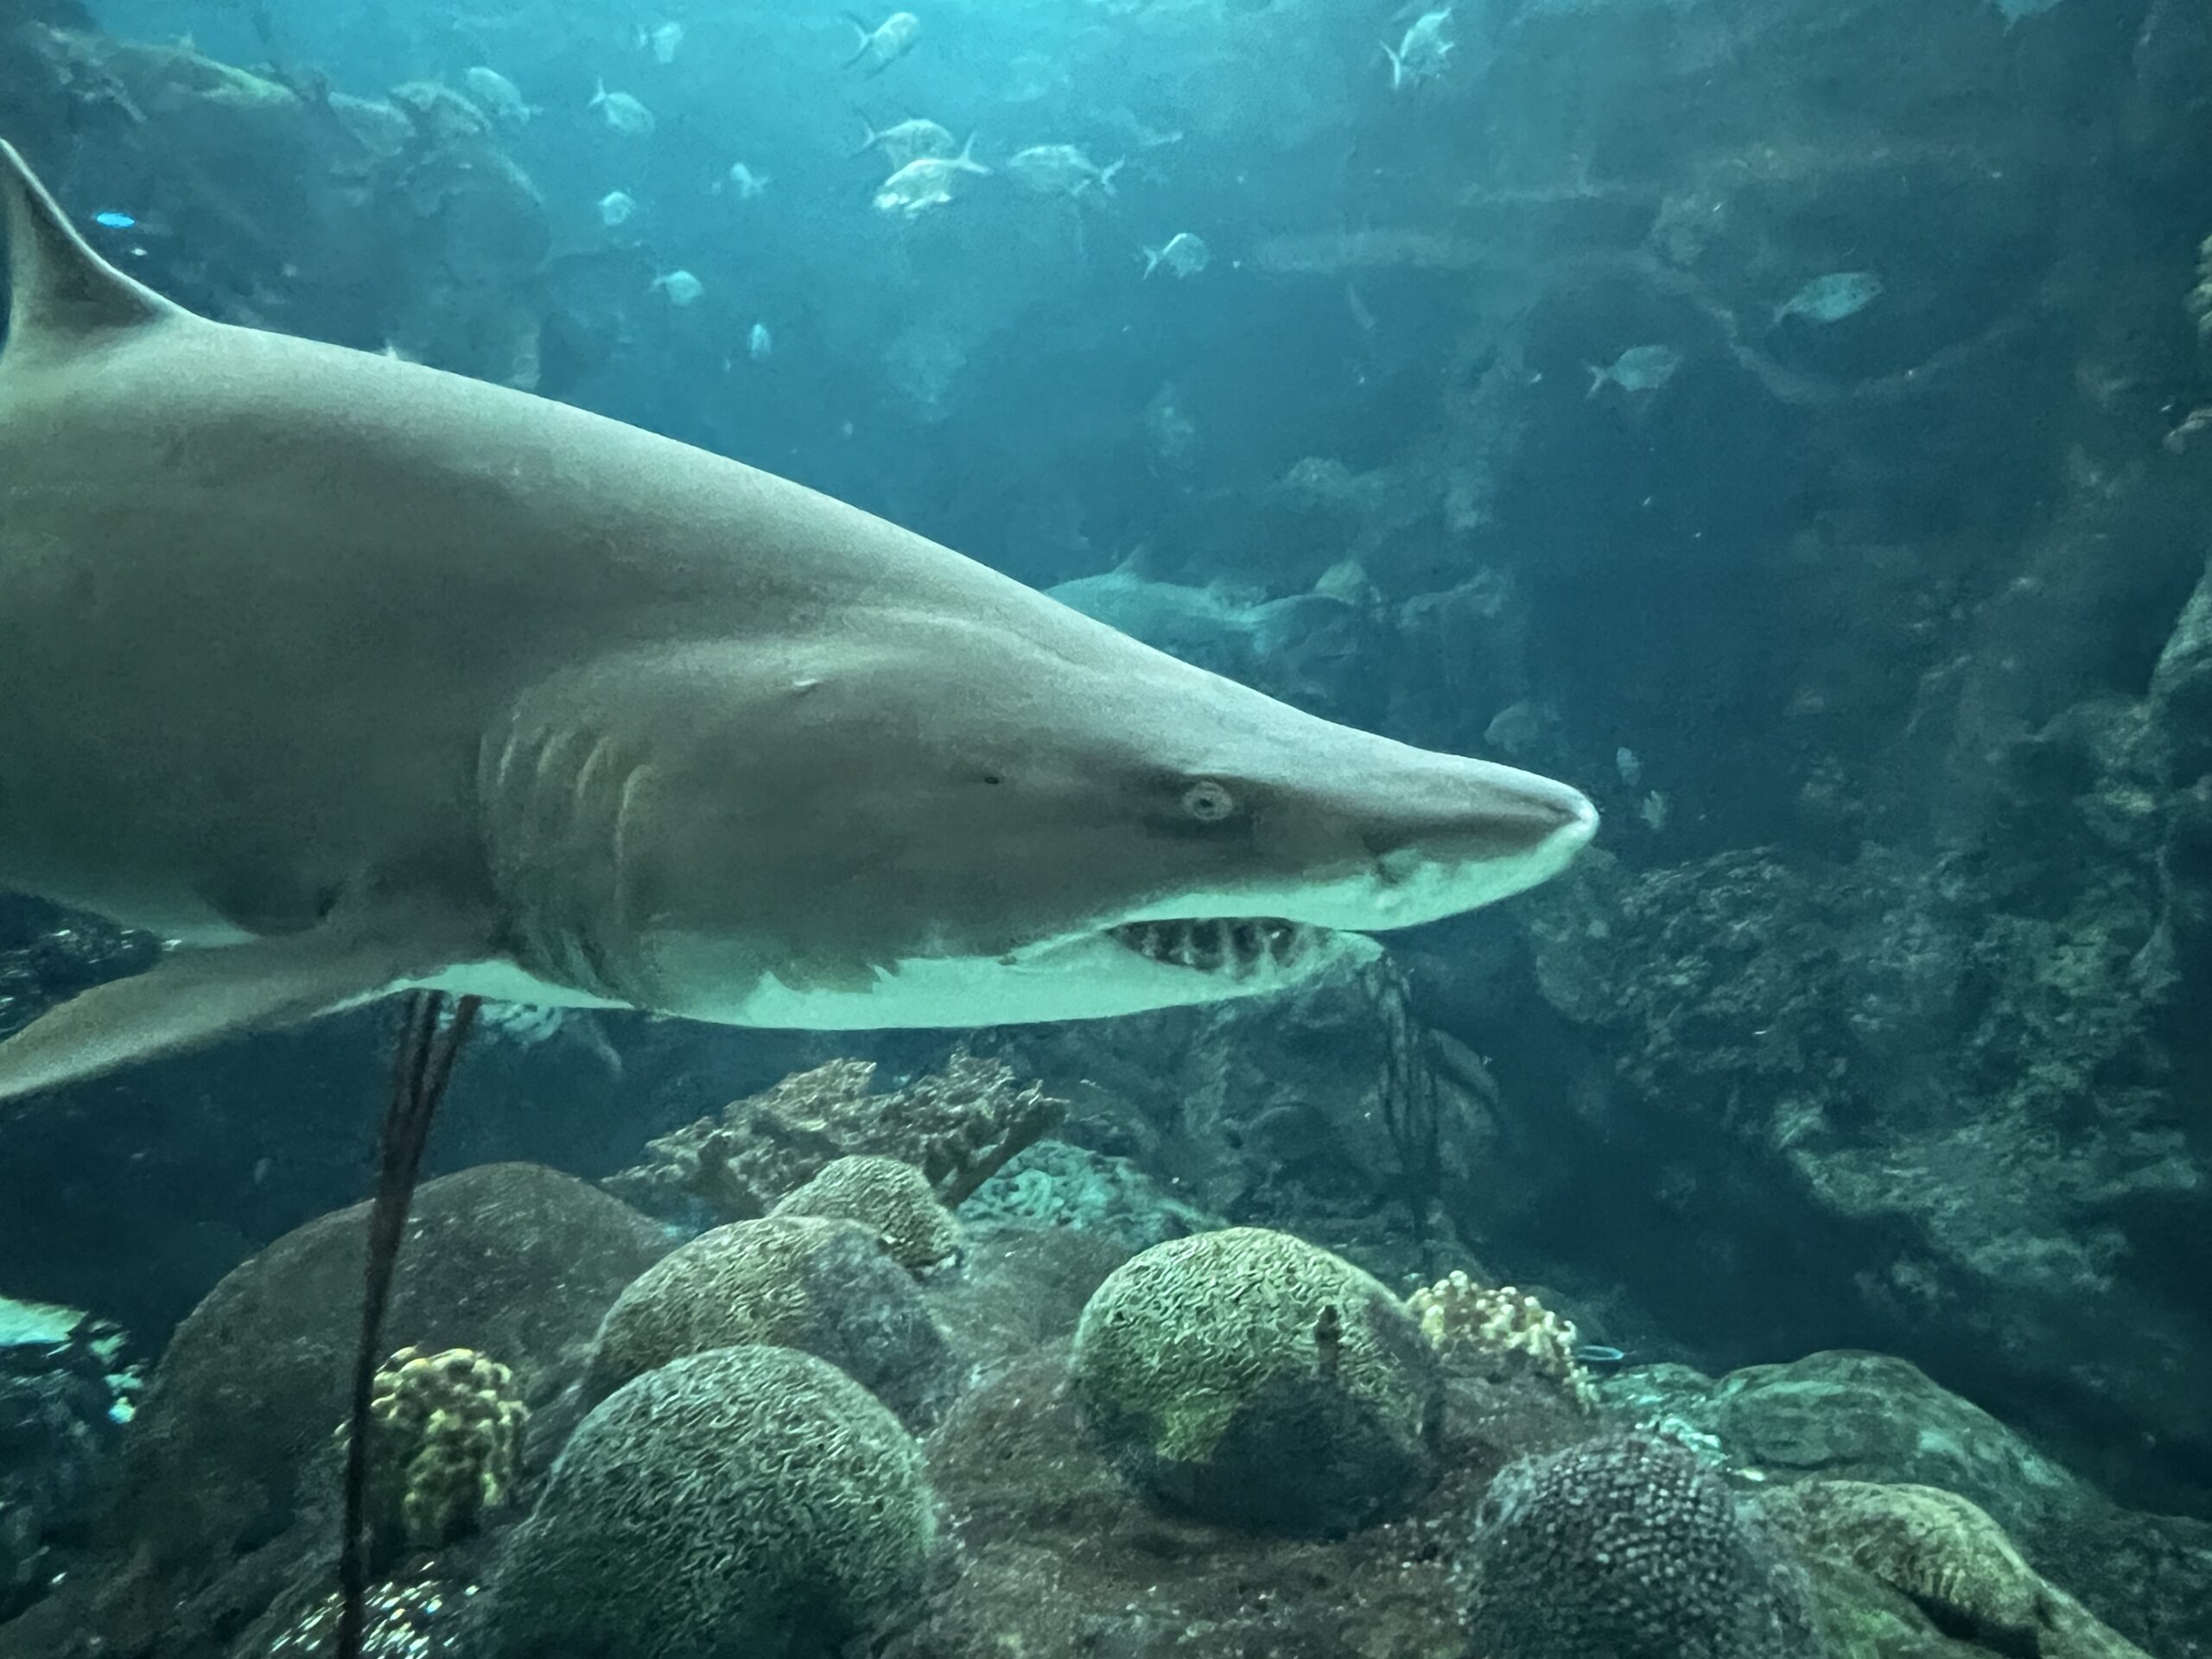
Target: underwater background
{"points": [[1789, 421]]}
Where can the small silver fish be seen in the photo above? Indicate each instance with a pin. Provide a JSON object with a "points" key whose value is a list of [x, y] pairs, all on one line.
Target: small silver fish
{"points": [[1640, 368], [744, 181], [623, 112], [1184, 255], [498, 97], [929, 181], [663, 41], [1831, 298], [759, 344], [1423, 52], [910, 140], [616, 207], [884, 45], [1060, 170], [681, 287]]}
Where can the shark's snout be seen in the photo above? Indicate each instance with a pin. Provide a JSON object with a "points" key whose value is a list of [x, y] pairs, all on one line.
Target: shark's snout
{"points": [[1493, 814]]}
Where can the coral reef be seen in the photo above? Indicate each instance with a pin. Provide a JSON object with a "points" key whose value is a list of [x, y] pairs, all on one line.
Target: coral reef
{"points": [[957, 1126], [1054, 1183], [1939, 1552], [751, 1499], [1851, 1418], [893, 1199], [1250, 1378], [510, 1259], [1501, 1333], [64, 1396], [401, 1621], [446, 1445], [1630, 1546], [1933, 1546], [2199, 303], [807, 1282]]}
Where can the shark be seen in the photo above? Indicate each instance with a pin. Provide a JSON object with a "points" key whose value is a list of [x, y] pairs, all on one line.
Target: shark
{"points": [[347, 675]]}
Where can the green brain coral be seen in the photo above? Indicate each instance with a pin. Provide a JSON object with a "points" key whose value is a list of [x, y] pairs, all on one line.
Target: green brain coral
{"points": [[1254, 1378], [1934, 1547], [752, 1501], [893, 1199], [809, 1282]]}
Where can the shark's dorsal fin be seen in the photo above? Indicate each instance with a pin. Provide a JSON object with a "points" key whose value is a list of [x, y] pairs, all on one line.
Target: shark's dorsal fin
{"points": [[61, 290]]}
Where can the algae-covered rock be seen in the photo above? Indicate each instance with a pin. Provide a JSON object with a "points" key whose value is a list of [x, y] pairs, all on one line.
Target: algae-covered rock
{"points": [[809, 1282], [1252, 1378], [752, 1501]]}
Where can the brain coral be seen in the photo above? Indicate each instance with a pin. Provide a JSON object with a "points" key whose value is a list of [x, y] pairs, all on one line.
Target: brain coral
{"points": [[1629, 1547], [892, 1197], [1252, 1378], [752, 1502], [807, 1282], [1932, 1545]]}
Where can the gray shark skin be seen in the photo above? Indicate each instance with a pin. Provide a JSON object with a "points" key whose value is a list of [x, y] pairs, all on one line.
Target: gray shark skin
{"points": [[351, 675]]}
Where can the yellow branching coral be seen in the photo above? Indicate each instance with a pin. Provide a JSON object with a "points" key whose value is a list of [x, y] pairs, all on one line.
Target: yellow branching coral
{"points": [[1501, 1333], [446, 1445]]}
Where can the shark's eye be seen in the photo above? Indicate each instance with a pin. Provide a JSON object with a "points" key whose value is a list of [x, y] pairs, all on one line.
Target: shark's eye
{"points": [[1208, 802]]}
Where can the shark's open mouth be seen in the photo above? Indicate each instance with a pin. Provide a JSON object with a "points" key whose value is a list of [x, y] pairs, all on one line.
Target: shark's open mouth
{"points": [[1237, 945]]}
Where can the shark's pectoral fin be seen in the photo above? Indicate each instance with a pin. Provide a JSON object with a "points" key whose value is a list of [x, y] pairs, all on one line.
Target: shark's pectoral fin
{"points": [[196, 997]]}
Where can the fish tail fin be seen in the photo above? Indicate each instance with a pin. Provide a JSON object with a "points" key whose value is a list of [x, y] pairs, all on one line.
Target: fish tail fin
{"points": [[598, 93], [60, 290], [870, 138], [1106, 178], [1397, 65], [863, 42], [1152, 260], [1598, 379], [967, 158]]}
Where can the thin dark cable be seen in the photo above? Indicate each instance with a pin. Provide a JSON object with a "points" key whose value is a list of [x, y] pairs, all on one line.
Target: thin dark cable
{"points": [[422, 1063]]}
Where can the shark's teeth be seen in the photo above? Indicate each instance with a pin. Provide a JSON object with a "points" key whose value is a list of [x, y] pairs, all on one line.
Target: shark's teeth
{"points": [[1239, 946]]}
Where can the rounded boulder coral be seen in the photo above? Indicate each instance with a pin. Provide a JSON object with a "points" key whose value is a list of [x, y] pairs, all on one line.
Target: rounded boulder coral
{"points": [[893, 1199], [752, 1502], [1630, 1547], [1250, 1377], [809, 1282]]}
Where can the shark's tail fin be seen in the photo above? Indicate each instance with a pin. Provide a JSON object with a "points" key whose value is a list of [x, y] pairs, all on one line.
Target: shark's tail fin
{"points": [[61, 291]]}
